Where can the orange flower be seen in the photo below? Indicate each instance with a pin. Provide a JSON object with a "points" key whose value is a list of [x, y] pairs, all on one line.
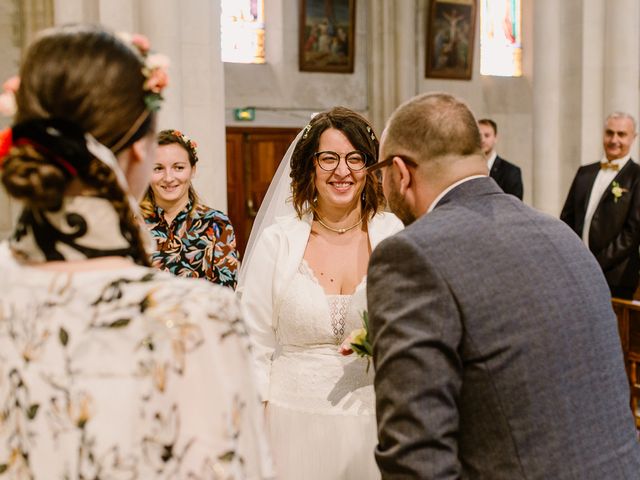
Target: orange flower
{"points": [[157, 80]]}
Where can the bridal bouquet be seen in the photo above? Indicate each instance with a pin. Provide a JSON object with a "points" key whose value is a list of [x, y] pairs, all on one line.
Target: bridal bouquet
{"points": [[359, 341]]}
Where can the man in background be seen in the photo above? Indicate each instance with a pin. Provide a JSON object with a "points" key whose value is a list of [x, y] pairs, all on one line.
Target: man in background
{"points": [[507, 175], [603, 206]]}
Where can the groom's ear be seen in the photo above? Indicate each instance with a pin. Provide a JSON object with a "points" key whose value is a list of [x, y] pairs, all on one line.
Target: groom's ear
{"points": [[404, 174]]}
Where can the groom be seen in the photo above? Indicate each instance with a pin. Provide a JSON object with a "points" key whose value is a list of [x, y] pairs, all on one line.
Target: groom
{"points": [[495, 346]]}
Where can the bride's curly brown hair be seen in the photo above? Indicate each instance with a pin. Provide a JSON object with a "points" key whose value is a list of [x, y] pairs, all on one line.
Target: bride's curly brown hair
{"points": [[303, 172]]}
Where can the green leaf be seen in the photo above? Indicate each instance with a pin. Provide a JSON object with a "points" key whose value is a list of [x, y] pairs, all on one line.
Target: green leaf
{"points": [[33, 411], [123, 322], [63, 336], [228, 456]]}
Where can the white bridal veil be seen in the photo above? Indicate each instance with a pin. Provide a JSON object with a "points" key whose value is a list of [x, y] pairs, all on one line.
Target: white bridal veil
{"points": [[277, 203]]}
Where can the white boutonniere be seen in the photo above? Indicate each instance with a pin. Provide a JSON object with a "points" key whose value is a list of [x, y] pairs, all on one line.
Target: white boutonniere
{"points": [[617, 191]]}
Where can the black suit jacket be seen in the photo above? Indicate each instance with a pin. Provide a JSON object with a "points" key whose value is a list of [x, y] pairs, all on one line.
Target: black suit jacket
{"points": [[507, 176], [614, 235]]}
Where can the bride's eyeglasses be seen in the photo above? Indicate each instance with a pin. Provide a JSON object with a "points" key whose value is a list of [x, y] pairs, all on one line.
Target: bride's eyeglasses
{"points": [[329, 161]]}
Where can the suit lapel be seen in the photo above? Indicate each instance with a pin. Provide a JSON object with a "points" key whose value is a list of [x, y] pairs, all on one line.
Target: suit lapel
{"points": [[589, 178], [624, 178], [495, 168]]}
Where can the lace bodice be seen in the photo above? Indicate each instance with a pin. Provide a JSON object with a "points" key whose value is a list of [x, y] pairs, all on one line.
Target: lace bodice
{"points": [[308, 372], [309, 317]]}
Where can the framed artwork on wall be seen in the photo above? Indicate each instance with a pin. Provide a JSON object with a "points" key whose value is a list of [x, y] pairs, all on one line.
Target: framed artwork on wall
{"points": [[326, 38], [450, 36]]}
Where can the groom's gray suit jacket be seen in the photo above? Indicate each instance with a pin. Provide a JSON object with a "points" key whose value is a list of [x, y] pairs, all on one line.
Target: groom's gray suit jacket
{"points": [[496, 349]]}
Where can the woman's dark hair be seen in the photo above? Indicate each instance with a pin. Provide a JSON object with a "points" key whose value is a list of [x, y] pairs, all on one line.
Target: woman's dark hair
{"points": [[303, 177], [86, 77], [169, 137]]}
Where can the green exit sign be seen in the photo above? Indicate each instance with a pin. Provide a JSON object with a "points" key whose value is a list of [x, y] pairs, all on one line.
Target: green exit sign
{"points": [[244, 114]]}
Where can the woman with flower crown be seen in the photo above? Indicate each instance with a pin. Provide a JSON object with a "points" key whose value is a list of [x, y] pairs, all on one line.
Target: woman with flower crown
{"points": [[108, 368], [192, 240], [302, 286]]}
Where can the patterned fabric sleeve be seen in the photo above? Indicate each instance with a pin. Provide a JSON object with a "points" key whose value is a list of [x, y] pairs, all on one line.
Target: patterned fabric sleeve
{"points": [[224, 256]]}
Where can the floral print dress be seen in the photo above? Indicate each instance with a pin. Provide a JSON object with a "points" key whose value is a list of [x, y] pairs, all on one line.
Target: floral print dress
{"points": [[125, 373], [200, 242]]}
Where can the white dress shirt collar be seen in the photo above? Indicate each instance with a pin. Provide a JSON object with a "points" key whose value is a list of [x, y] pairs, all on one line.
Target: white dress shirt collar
{"points": [[491, 159], [451, 187]]}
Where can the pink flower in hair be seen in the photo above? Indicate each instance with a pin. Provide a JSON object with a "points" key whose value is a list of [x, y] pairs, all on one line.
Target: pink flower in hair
{"points": [[157, 60], [8, 105], [155, 69], [141, 42], [12, 84]]}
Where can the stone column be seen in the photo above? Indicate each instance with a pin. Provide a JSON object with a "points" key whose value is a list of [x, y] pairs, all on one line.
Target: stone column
{"points": [[547, 195], [593, 81], [119, 15], [392, 68], [406, 50], [189, 33], [622, 59], [161, 22]]}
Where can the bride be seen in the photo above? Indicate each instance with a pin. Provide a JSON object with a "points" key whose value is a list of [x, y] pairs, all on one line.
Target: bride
{"points": [[302, 287]]}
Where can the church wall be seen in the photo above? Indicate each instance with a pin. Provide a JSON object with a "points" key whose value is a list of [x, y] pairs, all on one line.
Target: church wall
{"points": [[508, 101], [284, 96]]}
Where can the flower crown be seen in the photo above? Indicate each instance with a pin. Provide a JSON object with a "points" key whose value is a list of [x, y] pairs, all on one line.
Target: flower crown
{"points": [[190, 144], [154, 69]]}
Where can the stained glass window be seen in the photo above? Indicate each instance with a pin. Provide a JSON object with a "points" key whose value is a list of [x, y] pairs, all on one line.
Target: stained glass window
{"points": [[242, 24], [501, 38]]}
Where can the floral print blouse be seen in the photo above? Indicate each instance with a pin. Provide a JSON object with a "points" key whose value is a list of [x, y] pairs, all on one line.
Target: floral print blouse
{"points": [[200, 242], [124, 374]]}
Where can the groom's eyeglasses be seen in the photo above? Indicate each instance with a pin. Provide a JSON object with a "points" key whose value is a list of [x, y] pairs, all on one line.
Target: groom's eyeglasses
{"points": [[329, 161], [389, 160]]}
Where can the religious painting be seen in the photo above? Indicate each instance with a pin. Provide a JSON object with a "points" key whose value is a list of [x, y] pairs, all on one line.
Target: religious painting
{"points": [[326, 39], [450, 35]]}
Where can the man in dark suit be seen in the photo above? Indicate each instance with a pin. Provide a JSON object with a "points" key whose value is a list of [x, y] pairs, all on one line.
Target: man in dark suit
{"points": [[495, 346], [507, 175], [603, 207]]}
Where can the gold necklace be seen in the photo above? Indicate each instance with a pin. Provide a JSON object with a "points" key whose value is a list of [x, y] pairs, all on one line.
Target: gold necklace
{"points": [[339, 230]]}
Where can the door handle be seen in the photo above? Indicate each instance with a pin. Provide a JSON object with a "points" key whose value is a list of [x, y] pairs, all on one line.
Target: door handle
{"points": [[251, 211]]}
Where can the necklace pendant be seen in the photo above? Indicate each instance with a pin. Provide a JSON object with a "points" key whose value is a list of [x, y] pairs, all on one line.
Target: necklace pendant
{"points": [[342, 230]]}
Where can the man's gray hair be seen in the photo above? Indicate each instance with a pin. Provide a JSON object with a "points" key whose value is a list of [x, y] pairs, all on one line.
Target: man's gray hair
{"points": [[622, 115]]}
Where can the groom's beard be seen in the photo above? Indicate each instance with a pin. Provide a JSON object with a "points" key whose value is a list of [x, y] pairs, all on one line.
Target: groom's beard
{"points": [[398, 206]]}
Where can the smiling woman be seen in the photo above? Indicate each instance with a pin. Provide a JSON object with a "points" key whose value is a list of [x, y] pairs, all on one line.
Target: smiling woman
{"points": [[304, 289], [192, 239]]}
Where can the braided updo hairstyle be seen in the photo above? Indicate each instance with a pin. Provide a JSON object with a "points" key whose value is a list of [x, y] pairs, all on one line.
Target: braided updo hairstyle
{"points": [[86, 76]]}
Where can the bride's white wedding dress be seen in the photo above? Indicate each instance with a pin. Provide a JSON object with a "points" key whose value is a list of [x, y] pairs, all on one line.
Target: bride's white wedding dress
{"points": [[320, 404], [321, 411]]}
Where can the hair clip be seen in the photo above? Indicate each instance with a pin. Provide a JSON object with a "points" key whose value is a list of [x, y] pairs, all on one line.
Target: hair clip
{"points": [[306, 131], [371, 134]]}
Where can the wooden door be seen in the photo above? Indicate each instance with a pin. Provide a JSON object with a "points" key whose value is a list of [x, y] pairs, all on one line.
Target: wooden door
{"points": [[253, 156]]}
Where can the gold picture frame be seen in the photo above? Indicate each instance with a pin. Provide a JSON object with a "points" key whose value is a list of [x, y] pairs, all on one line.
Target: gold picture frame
{"points": [[450, 39], [326, 37]]}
